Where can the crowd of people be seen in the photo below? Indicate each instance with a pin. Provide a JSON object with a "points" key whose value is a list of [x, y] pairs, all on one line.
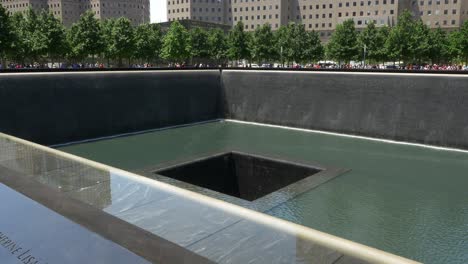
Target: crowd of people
{"points": [[97, 65], [424, 67], [100, 65]]}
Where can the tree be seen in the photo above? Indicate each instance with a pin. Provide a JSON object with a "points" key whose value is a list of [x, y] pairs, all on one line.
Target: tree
{"points": [[464, 41], [120, 41], [419, 45], [107, 27], [86, 37], [248, 40], [455, 45], [343, 45], [283, 42], [438, 46], [369, 41], [148, 42], [313, 50], [217, 45], [6, 36], [399, 41], [32, 37], [380, 53], [299, 39], [22, 48], [54, 36], [262, 44], [291, 41], [198, 39], [175, 44], [238, 43]]}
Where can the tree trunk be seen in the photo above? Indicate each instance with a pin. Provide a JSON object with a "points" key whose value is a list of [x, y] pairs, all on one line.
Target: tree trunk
{"points": [[3, 61]]}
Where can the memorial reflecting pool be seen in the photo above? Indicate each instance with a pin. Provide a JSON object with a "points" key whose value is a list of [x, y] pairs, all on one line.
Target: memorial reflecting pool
{"points": [[407, 200]]}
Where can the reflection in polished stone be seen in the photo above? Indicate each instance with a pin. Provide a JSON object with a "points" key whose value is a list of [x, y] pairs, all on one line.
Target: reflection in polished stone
{"points": [[234, 245], [179, 219], [73, 177], [54, 171], [30, 161], [119, 194], [11, 150], [39, 234]]}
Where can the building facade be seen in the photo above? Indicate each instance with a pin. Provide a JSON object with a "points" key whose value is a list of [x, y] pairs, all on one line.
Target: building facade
{"points": [[69, 11], [319, 15], [190, 24], [447, 14], [214, 11]]}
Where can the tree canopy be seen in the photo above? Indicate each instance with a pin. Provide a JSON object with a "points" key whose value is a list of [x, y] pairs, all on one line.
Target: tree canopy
{"points": [[313, 49], [120, 40], [238, 43], [262, 45], [86, 37], [148, 42], [399, 41], [295, 44], [343, 45], [198, 40], [217, 44], [55, 45], [6, 35], [372, 42], [175, 43], [39, 37]]}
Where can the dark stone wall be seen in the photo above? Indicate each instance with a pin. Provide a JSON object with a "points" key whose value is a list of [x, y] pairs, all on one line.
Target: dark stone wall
{"points": [[51, 108], [430, 109]]}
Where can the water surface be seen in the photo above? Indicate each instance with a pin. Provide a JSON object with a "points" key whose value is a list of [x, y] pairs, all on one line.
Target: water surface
{"points": [[407, 200]]}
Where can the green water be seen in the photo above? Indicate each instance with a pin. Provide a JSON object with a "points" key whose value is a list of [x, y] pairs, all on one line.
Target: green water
{"points": [[406, 200]]}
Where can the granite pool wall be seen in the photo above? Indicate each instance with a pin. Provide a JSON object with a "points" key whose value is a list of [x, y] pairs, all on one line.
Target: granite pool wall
{"points": [[422, 108], [60, 107]]}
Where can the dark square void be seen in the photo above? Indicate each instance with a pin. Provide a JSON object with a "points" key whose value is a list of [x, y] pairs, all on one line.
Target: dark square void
{"points": [[241, 175]]}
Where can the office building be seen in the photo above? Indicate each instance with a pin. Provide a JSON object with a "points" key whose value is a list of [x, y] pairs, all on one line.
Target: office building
{"points": [[319, 15], [69, 11]]}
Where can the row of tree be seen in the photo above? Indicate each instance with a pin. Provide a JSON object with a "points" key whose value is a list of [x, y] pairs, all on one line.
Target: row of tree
{"points": [[290, 43], [410, 41], [40, 37]]}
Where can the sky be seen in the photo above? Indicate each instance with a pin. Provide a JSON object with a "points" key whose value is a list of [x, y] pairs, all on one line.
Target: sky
{"points": [[158, 11]]}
